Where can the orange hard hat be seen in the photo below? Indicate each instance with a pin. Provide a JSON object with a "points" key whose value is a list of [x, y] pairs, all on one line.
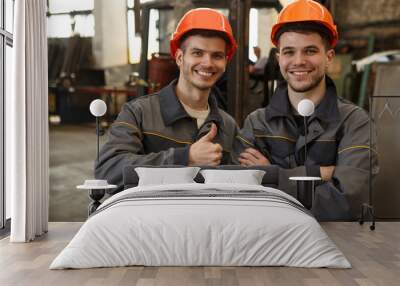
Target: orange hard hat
{"points": [[203, 19], [305, 11]]}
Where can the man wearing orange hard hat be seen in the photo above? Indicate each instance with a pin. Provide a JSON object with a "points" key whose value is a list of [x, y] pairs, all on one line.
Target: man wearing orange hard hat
{"points": [[331, 138], [181, 124]]}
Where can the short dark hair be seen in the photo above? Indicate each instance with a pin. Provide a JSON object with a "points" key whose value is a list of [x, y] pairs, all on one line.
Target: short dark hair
{"points": [[205, 34], [304, 27]]}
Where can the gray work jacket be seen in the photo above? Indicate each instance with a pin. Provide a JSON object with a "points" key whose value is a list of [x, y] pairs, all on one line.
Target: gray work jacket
{"points": [[156, 130], [338, 134]]}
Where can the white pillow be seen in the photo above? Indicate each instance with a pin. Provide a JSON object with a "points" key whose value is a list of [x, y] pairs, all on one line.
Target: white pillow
{"points": [[248, 177], [166, 176]]}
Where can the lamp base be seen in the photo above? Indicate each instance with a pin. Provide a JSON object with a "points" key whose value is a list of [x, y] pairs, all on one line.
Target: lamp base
{"points": [[369, 211], [305, 190], [96, 195]]}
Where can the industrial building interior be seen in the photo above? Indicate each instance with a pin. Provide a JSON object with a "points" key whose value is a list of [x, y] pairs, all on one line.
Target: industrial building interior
{"points": [[87, 65], [119, 50]]}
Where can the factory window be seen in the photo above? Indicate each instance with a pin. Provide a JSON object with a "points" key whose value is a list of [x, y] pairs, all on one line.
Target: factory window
{"points": [[154, 45], [261, 21], [253, 33], [6, 43], [66, 18], [134, 40]]}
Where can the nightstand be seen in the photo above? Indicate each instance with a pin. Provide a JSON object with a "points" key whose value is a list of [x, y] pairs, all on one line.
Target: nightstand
{"points": [[306, 189], [97, 190]]}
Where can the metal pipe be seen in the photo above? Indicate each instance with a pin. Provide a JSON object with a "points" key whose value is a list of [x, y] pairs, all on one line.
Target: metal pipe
{"points": [[367, 70]]}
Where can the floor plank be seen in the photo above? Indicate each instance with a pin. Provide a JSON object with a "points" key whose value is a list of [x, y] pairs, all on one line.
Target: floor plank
{"points": [[374, 255]]}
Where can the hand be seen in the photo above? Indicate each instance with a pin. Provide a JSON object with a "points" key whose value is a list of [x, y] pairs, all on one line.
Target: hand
{"points": [[204, 152], [326, 172], [251, 157]]}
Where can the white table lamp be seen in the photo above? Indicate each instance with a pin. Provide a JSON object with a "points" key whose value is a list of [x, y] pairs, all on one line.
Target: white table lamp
{"points": [[305, 184], [98, 108]]}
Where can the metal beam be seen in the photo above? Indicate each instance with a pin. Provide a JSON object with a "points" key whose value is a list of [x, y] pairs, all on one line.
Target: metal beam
{"points": [[71, 13], [145, 45], [372, 24], [138, 24], [266, 4], [237, 70]]}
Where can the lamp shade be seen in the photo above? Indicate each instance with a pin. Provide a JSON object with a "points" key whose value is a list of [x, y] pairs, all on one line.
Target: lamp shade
{"points": [[98, 107], [305, 107]]}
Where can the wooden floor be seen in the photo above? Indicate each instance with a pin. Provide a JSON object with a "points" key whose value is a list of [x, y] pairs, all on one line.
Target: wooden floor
{"points": [[374, 255]]}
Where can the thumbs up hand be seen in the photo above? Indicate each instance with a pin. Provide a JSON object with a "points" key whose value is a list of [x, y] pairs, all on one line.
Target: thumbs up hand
{"points": [[210, 135], [204, 152]]}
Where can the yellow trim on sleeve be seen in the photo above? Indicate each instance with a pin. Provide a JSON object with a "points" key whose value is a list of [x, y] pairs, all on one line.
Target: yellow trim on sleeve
{"points": [[166, 137], [151, 133], [290, 139], [275, 137], [127, 124], [356, 147], [244, 140]]}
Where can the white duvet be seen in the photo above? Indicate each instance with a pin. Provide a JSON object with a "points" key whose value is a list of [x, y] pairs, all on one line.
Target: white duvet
{"points": [[184, 230]]}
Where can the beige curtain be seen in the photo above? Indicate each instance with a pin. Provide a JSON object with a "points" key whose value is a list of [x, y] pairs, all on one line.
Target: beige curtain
{"points": [[27, 147]]}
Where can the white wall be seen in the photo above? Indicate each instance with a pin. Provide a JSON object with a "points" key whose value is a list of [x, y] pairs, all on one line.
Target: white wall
{"points": [[9, 73], [110, 42]]}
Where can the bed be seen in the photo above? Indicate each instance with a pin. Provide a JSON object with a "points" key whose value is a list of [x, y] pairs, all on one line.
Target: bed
{"points": [[201, 224]]}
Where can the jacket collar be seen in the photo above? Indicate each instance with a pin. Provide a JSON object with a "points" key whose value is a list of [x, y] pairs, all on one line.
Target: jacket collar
{"points": [[327, 110], [172, 109]]}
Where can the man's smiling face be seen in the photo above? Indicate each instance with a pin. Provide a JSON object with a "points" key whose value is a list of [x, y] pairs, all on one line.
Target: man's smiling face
{"points": [[303, 60], [202, 61]]}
